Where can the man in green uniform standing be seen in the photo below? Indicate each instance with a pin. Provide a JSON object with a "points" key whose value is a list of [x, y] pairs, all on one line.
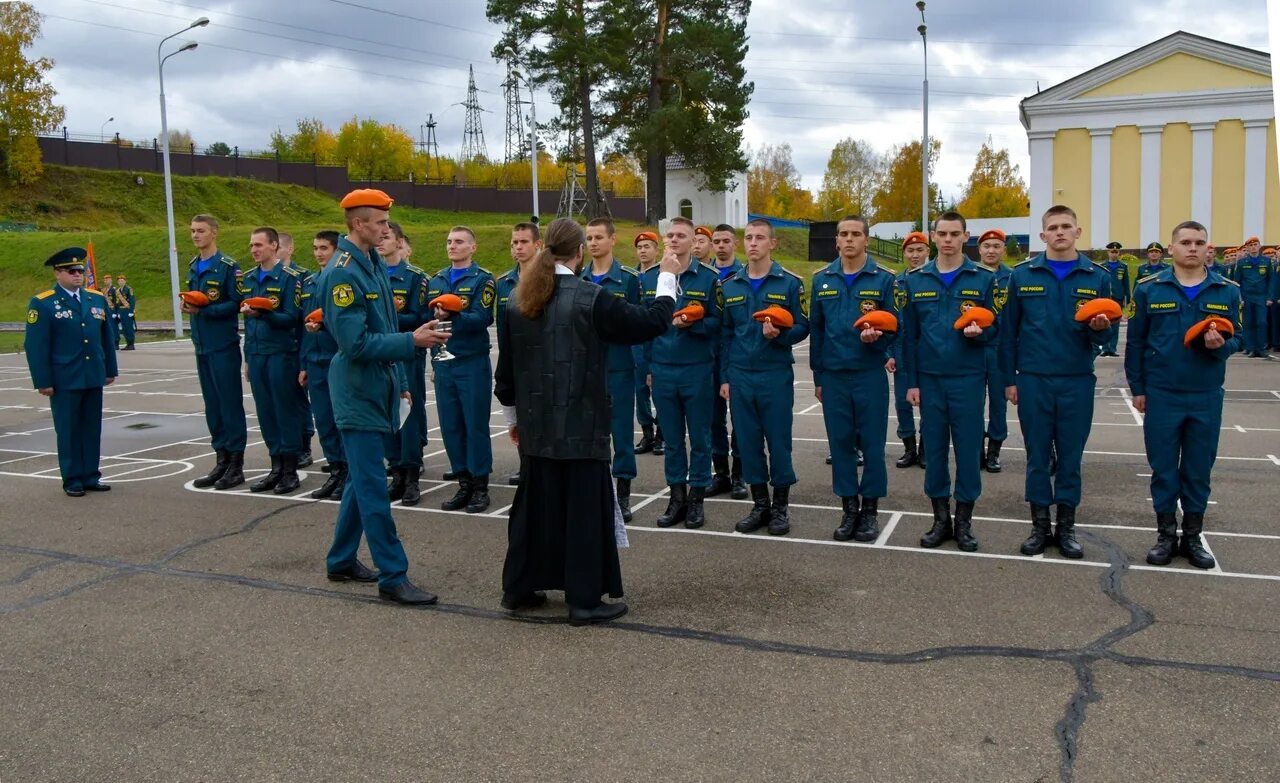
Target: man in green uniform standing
{"points": [[991, 252], [1121, 291], [915, 251], [316, 354], [1253, 273], [1155, 261], [727, 473], [409, 291], [126, 307]]}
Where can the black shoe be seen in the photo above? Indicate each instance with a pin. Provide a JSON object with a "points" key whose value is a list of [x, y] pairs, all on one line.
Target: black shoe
{"points": [[412, 492], [1065, 536], [204, 482], [645, 444], [601, 614], [624, 498], [1041, 531], [99, 487], [849, 521], [760, 512], [341, 469], [694, 515], [1191, 546], [356, 572], [234, 475], [677, 507], [460, 498], [514, 479], [720, 483], [272, 478], [828, 459], [868, 521], [518, 603], [288, 476], [74, 493], [909, 456], [920, 452], [659, 445], [737, 489], [326, 468], [941, 530], [861, 460], [479, 495], [1166, 540], [408, 594], [450, 475], [399, 478], [993, 456], [965, 541], [304, 459], [330, 484], [129, 347], [779, 516]]}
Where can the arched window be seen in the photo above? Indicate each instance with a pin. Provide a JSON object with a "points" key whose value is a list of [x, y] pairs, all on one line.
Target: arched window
{"points": [[686, 208]]}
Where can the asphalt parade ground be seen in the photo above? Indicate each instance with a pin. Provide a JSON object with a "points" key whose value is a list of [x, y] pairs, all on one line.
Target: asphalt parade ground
{"points": [[158, 632]]}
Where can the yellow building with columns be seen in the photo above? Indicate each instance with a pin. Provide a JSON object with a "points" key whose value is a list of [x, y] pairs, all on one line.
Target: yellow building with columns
{"points": [[1182, 128]]}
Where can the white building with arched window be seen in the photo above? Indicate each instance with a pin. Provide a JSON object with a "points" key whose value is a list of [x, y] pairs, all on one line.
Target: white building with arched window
{"points": [[686, 197]]}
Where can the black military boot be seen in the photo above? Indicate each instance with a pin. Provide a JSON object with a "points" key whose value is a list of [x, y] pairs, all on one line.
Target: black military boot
{"points": [[1041, 531], [412, 492], [868, 521], [272, 478], [330, 484], [514, 479], [828, 458], [941, 530], [448, 475], [304, 459], [234, 475], [695, 516], [1166, 540], [339, 468], [909, 456], [1065, 535], [479, 495], [624, 498], [920, 452], [779, 516], [220, 467], [992, 461], [720, 477], [659, 445], [645, 444], [1191, 547], [460, 498], [965, 541], [677, 507], [849, 521], [399, 478], [760, 515], [289, 480], [737, 490]]}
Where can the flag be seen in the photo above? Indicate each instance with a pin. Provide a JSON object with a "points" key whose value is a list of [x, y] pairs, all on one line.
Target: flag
{"points": [[91, 268]]}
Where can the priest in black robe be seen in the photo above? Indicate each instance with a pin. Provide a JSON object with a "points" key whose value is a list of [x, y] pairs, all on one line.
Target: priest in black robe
{"points": [[551, 380]]}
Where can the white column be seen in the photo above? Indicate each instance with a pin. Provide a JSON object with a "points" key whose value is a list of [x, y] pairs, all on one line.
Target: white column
{"points": [[1202, 174], [1100, 190], [1041, 144], [1255, 179], [1149, 223]]}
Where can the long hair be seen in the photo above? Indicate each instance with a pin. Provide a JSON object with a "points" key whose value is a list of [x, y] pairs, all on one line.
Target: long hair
{"points": [[563, 241]]}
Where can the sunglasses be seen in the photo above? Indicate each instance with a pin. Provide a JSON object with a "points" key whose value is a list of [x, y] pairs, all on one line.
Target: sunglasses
{"points": [[74, 271]]}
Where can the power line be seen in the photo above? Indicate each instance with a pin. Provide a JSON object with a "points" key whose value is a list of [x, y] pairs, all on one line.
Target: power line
{"points": [[411, 18]]}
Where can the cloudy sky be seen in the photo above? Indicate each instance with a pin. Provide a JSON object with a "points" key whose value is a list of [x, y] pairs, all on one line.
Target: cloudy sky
{"points": [[823, 69]]}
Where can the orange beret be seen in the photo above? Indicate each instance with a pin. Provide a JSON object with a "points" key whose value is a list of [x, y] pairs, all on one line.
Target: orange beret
{"points": [[646, 235], [366, 197], [915, 238], [450, 303], [881, 320], [260, 303], [316, 316], [1200, 327], [992, 233], [703, 230], [1268, 251], [975, 315], [779, 316], [1095, 307], [194, 298], [691, 312], [1252, 239]]}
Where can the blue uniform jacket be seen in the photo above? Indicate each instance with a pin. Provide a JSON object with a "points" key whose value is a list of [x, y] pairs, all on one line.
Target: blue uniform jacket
{"points": [[126, 301], [1121, 290], [742, 342], [931, 343], [622, 282], [1154, 353], [471, 326], [1253, 273], [1039, 333], [696, 344], [68, 343], [834, 344], [217, 326], [317, 347], [505, 286], [409, 292], [276, 331], [1146, 269]]}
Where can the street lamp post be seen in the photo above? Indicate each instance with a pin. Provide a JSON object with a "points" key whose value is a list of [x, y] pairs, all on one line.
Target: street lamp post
{"points": [[924, 146], [102, 131], [168, 179]]}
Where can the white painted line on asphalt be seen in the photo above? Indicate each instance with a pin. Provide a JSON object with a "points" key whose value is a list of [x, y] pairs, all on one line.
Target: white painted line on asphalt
{"points": [[1274, 458], [1128, 400], [811, 407], [888, 529], [1241, 429]]}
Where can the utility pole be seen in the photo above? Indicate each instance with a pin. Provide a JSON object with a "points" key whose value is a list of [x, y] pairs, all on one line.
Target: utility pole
{"points": [[472, 133]]}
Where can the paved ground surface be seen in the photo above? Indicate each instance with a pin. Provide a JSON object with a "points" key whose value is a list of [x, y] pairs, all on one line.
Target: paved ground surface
{"points": [[159, 632]]}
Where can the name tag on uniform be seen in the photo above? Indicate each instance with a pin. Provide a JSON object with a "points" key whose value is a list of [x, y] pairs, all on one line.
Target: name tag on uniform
{"points": [[370, 296], [695, 294], [1030, 290], [620, 294], [826, 292], [466, 290], [971, 292], [1216, 308], [651, 292], [432, 293], [728, 300], [924, 295], [1086, 292], [1161, 307], [776, 297], [875, 292]]}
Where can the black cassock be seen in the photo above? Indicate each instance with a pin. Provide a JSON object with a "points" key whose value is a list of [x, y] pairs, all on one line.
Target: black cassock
{"points": [[560, 534]]}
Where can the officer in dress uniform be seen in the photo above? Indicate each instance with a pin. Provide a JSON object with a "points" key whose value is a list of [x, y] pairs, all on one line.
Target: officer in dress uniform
{"points": [[1120, 289], [215, 334], [316, 354], [1155, 261], [727, 476], [126, 306], [915, 251], [651, 441], [991, 252], [71, 358], [464, 384], [1177, 384], [285, 255], [848, 374], [409, 291], [1253, 273], [680, 376], [113, 318], [526, 241]]}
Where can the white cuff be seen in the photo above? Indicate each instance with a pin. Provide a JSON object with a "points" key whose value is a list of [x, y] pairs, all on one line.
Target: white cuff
{"points": [[509, 415], [667, 285]]}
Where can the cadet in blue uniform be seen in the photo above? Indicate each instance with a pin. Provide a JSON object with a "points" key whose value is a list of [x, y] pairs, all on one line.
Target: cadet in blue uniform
{"points": [[366, 386], [126, 306], [1178, 388], [526, 241], [727, 475], [1120, 290], [409, 292], [849, 375], [651, 441], [271, 351], [623, 283], [285, 256], [915, 251], [316, 353], [1155, 261], [1274, 297], [680, 373], [215, 334], [1047, 359], [464, 384], [1253, 273], [71, 357], [991, 252], [945, 370]]}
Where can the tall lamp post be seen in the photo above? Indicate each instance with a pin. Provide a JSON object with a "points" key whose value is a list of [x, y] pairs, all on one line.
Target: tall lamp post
{"points": [[102, 131], [168, 179], [924, 146]]}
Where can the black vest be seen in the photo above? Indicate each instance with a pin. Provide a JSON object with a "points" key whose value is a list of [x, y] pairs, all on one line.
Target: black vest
{"points": [[562, 401]]}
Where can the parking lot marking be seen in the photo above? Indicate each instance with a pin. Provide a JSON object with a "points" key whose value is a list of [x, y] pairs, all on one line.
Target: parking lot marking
{"points": [[888, 529]]}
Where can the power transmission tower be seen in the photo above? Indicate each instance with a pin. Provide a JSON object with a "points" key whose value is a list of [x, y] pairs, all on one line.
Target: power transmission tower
{"points": [[472, 133], [517, 145], [573, 199], [429, 147]]}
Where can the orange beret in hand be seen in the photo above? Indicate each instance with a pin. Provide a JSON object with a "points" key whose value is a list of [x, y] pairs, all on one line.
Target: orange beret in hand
{"points": [[1096, 307], [780, 317], [194, 298], [450, 303], [975, 315], [260, 303], [1212, 322], [316, 316], [691, 312], [880, 320]]}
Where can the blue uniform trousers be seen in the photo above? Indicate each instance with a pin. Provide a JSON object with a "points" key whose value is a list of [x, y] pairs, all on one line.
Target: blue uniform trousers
{"points": [[723, 442], [1275, 325], [622, 390], [77, 423], [906, 413], [127, 327], [463, 390], [855, 408], [113, 321], [644, 400], [308, 416], [1113, 339], [322, 405], [997, 405], [762, 403], [1181, 433], [404, 446], [1056, 413], [219, 373], [366, 509], [682, 396], [951, 410], [272, 379], [1255, 327]]}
